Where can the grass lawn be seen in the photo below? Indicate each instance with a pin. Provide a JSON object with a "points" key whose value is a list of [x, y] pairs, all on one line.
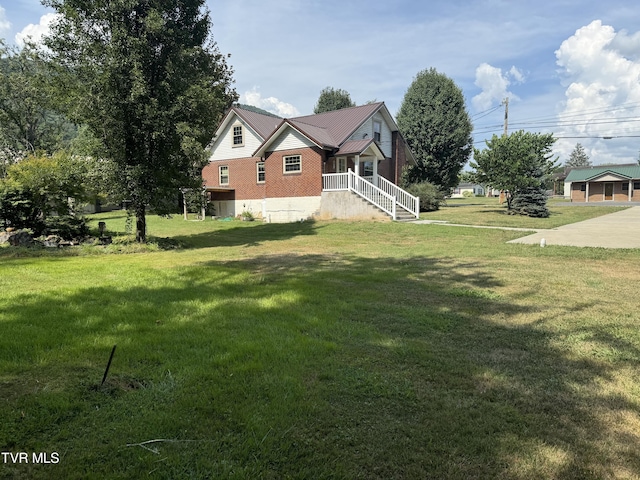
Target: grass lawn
{"points": [[321, 350], [488, 211]]}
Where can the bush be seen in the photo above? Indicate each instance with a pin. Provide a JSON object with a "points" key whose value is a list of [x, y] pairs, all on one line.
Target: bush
{"points": [[430, 196], [467, 194], [68, 227], [531, 202]]}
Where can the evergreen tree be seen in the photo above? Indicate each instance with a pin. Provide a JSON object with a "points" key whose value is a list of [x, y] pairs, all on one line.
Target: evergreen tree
{"points": [[578, 158], [530, 201], [150, 83], [333, 99], [434, 121]]}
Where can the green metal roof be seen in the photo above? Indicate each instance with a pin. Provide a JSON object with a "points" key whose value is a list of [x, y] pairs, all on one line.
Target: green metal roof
{"points": [[630, 171]]}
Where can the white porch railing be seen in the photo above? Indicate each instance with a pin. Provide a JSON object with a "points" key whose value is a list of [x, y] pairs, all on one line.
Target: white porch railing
{"points": [[386, 196], [333, 182]]}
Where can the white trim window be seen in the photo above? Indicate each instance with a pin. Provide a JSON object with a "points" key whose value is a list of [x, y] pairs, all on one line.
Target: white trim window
{"points": [[377, 131], [260, 172], [223, 174], [292, 164], [238, 136], [342, 165]]}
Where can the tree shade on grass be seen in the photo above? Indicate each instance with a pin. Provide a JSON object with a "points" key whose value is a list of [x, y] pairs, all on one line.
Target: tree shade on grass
{"points": [[322, 350]]}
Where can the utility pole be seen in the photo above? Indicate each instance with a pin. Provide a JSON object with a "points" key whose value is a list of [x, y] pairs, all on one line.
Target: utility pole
{"points": [[505, 102]]}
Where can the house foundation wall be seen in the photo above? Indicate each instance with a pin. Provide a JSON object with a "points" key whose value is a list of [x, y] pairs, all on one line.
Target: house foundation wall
{"points": [[346, 205], [274, 210]]}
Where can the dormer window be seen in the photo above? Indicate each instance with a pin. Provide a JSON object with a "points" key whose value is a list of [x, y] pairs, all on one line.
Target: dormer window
{"points": [[377, 131], [238, 136]]}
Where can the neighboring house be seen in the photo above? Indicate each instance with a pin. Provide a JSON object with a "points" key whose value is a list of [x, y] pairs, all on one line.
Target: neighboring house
{"points": [[473, 188], [286, 170], [604, 183]]}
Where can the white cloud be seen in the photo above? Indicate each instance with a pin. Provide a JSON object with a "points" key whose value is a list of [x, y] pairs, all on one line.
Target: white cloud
{"points": [[495, 85], [36, 32], [5, 24], [601, 72], [270, 104]]}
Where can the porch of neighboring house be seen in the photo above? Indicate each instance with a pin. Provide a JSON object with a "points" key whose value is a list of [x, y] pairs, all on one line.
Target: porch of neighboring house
{"points": [[609, 189]]}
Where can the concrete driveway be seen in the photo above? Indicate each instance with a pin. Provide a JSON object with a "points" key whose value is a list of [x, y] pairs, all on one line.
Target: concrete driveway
{"points": [[615, 230]]}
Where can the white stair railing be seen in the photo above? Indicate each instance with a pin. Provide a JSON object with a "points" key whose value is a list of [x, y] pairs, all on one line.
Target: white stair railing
{"points": [[371, 193], [404, 198]]}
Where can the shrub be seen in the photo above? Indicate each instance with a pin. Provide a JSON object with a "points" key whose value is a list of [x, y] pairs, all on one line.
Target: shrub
{"points": [[467, 194], [430, 196], [531, 202]]}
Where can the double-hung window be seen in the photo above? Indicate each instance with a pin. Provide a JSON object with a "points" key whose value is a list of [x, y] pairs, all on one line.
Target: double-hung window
{"points": [[238, 136], [223, 172], [260, 172], [292, 164], [377, 131]]}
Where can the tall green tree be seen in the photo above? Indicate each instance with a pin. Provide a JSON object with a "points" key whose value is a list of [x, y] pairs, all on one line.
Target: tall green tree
{"points": [[149, 81], [434, 121], [517, 163], [578, 158], [333, 99], [28, 120]]}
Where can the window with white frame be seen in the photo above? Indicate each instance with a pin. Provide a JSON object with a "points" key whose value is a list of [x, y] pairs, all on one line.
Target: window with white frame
{"points": [[223, 171], [260, 172], [377, 131], [238, 136], [292, 164], [342, 165], [367, 169]]}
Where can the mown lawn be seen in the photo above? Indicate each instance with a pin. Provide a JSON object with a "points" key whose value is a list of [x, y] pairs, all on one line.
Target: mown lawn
{"points": [[321, 350], [488, 211]]}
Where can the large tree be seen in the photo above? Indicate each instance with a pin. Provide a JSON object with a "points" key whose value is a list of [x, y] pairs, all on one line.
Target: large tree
{"points": [[519, 163], [578, 158], [434, 121], [151, 84], [333, 99]]}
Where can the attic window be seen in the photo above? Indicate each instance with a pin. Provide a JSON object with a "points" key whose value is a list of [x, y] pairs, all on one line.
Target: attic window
{"points": [[238, 138], [377, 131]]}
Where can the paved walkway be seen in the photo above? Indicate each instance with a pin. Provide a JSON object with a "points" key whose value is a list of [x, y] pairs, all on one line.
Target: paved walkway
{"points": [[614, 230]]}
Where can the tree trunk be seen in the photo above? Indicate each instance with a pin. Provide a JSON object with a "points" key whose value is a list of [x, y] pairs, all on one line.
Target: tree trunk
{"points": [[141, 224]]}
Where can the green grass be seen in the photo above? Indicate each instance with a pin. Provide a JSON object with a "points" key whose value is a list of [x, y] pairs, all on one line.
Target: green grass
{"points": [[488, 211], [321, 350]]}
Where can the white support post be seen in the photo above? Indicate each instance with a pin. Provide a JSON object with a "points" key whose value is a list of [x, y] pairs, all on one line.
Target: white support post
{"points": [[630, 191], [586, 192]]}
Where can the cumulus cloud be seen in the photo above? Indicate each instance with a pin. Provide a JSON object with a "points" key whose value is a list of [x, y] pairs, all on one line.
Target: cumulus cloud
{"points": [[601, 72], [5, 24], [270, 104], [36, 32], [495, 85]]}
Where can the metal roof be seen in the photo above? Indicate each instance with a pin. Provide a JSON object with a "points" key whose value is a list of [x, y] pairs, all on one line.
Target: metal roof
{"points": [[631, 171], [357, 147], [264, 125], [341, 124]]}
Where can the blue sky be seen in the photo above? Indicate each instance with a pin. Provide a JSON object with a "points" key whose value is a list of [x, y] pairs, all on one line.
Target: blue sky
{"points": [[570, 68]]}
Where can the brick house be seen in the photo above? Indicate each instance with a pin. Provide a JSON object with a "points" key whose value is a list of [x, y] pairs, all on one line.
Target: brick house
{"points": [[604, 183], [285, 170]]}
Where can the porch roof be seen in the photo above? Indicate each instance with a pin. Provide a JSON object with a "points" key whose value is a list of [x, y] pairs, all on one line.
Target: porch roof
{"points": [[358, 147]]}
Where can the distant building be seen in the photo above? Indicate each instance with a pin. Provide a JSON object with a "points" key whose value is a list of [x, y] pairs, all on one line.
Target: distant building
{"points": [[604, 183], [472, 188]]}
